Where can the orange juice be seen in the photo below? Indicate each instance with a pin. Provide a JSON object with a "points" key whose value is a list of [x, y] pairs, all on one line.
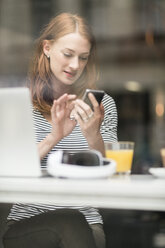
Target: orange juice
{"points": [[162, 152], [123, 159]]}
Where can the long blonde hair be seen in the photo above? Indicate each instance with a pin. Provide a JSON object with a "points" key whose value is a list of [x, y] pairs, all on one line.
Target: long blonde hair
{"points": [[40, 73]]}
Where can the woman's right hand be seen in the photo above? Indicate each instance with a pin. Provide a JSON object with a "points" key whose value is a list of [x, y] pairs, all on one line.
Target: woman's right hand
{"points": [[62, 124]]}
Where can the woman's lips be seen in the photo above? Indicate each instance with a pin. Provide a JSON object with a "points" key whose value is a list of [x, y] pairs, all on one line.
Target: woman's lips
{"points": [[70, 74]]}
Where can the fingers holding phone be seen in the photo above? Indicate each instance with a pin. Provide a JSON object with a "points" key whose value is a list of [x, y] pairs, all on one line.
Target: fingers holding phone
{"points": [[94, 104], [90, 100], [82, 111], [89, 107], [94, 99]]}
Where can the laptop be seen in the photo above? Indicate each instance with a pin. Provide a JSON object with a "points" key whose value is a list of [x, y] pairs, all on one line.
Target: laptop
{"points": [[18, 150]]}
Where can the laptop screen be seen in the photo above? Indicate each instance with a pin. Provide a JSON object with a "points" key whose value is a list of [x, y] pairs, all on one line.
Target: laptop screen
{"points": [[18, 149]]}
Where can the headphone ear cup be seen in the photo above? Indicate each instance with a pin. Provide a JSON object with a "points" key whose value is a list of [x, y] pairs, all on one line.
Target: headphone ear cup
{"points": [[67, 157], [84, 158]]}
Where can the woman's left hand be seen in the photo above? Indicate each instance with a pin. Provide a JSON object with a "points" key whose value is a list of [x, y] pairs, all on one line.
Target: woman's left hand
{"points": [[90, 121]]}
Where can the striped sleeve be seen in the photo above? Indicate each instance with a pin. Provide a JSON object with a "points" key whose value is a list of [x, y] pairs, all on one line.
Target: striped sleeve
{"points": [[109, 125]]}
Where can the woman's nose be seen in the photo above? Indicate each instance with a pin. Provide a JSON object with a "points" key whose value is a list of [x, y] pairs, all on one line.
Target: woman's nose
{"points": [[74, 63]]}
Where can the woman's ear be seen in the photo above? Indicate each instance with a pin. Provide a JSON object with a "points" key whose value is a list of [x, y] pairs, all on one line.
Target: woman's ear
{"points": [[46, 48]]}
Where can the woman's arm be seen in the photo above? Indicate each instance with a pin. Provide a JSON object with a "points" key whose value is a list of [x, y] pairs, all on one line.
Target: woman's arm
{"points": [[61, 123], [46, 145]]}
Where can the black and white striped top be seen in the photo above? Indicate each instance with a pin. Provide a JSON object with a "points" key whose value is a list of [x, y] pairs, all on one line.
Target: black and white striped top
{"points": [[74, 141]]}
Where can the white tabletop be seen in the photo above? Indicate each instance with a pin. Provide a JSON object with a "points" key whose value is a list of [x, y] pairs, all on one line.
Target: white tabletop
{"points": [[138, 193]]}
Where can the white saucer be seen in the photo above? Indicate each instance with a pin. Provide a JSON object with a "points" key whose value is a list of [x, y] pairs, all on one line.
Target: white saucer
{"points": [[158, 172]]}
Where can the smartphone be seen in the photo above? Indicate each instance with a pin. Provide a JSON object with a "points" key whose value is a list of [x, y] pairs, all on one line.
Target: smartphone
{"points": [[97, 93]]}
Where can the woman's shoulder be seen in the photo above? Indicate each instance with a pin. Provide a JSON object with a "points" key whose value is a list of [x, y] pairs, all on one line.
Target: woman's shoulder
{"points": [[39, 120], [35, 111], [37, 116], [107, 99]]}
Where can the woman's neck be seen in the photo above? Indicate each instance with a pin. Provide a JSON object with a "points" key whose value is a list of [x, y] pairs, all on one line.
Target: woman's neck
{"points": [[60, 88]]}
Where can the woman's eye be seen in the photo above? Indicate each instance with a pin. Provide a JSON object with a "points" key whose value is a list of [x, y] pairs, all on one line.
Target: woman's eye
{"points": [[67, 55], [84, 58]]}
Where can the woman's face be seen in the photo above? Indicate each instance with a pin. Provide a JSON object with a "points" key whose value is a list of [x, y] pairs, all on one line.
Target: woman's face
{"points": [[68, 57]]}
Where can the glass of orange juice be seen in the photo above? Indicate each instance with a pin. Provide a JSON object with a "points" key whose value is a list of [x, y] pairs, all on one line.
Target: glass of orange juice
{"points": [[122, 153], [162, 152]]}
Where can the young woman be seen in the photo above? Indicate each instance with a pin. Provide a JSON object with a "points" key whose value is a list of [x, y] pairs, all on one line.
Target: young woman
{"points": [[64, 65]]}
